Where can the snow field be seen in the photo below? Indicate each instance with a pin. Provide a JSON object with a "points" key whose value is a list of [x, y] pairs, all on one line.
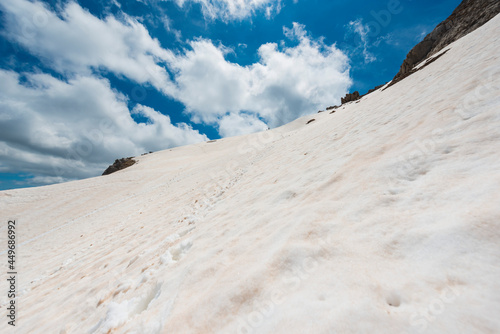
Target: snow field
{"points": [[380, 218]]}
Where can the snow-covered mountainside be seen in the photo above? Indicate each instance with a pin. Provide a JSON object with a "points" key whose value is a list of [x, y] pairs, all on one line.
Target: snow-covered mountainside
{"points": [[383, 217]]}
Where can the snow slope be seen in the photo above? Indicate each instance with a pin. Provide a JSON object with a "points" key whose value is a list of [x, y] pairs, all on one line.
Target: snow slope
{"points": [[383, 217]]}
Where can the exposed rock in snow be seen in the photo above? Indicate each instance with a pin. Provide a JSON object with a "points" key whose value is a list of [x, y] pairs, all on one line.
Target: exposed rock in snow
{"points": [[383, 217], [119, 164], [350, 97]]}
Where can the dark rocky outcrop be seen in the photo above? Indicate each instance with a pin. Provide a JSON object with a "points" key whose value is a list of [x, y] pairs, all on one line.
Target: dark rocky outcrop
{"points": [[467, 17], [350, 97], [374, 89], [119, 164]]}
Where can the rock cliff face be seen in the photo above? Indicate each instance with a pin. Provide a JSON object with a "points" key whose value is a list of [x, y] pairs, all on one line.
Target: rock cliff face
{"points": [[467, 17]]}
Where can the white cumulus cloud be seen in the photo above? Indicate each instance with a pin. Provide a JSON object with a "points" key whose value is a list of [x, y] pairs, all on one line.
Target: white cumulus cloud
{"points": [[240, 124], [75, 41], [286, 82], [60, 130]]}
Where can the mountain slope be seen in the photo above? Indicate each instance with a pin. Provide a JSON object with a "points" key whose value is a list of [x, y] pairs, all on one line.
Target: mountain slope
{"points": [[380, 218]]}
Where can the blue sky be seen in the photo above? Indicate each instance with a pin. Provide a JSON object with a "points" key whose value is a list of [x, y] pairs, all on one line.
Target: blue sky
{"points": [[85, 82]]}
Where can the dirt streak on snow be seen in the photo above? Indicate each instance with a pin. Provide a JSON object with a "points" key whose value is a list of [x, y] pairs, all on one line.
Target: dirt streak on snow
{"points": [[380, 218]]}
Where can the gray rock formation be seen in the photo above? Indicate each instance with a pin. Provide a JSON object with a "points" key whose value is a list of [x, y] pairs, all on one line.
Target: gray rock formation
{"points": [[467, 17]]}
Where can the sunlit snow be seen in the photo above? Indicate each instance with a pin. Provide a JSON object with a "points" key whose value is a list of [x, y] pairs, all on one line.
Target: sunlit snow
{"points": [[382, 217]]}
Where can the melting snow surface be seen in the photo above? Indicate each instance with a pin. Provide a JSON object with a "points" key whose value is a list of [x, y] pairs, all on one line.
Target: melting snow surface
{"points": [[383, 217]]}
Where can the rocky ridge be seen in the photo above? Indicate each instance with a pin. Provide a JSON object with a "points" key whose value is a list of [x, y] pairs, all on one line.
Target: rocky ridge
{"points": [[467, 17]]}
